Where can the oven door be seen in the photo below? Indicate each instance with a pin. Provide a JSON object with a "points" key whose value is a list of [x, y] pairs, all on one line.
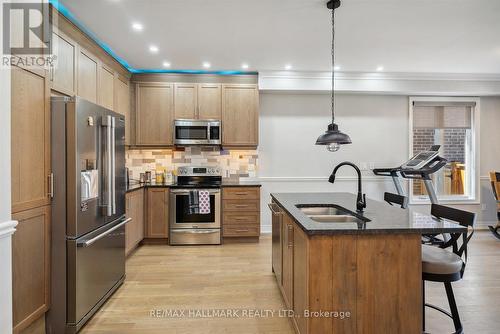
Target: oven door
{"points": [[180, 217]]}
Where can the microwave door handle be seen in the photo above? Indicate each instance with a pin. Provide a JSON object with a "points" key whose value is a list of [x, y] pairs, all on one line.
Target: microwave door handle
{"points": [[113, 165]]}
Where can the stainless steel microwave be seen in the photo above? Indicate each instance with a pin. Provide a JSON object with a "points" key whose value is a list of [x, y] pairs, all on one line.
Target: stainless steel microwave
{"points": [[197, 132]]}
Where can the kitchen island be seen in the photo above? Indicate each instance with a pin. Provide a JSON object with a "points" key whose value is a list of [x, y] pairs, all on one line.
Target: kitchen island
{"points": [[342, 271]]}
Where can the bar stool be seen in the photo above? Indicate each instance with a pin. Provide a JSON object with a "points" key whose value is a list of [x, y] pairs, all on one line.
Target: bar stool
{"points": [[396, 199], [495, 186], [441, 265]]}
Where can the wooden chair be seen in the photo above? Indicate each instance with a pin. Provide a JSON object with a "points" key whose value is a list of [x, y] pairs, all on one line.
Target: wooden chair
{"points": [[495, 186], [442, 265]]}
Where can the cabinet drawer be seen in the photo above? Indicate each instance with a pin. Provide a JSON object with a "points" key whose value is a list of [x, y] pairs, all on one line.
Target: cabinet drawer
{"points": [[241, 218], [241, 193], [239, 205], [247, 230]]}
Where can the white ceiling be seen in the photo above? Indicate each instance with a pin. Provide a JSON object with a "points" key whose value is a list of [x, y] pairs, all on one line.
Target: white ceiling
{"points": [[429, 36]]}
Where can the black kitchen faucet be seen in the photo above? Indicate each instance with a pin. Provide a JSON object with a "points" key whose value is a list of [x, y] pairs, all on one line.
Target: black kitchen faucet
{"points": [[361, 199]]}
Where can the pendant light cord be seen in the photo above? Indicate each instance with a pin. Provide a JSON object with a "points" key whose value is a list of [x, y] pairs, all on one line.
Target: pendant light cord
{"points": [[333, 66]]}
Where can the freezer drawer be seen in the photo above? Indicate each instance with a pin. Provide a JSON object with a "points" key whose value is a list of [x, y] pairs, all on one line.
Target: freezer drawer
{"points": [[96, 265]]}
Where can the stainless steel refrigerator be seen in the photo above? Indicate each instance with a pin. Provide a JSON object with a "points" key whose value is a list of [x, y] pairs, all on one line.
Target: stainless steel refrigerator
{"points": [[88, 210]]}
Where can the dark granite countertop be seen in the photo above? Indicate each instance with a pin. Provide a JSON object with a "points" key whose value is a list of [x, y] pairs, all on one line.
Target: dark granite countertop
{"points": [[384, 218], [135, 185]]}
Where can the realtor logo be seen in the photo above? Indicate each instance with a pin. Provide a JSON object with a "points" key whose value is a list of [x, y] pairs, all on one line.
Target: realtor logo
{"points": [[26, 28]]}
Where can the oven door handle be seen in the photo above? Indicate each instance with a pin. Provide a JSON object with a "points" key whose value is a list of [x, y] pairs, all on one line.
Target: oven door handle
{"points": [[185, 192], [195, 231]]}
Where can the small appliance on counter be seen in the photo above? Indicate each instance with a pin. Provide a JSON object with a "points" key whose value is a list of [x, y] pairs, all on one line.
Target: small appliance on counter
{"points": [[195, 207], [197, 132]]}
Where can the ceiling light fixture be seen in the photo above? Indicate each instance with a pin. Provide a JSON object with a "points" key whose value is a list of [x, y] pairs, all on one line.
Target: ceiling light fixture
{"points": [[288, 67], [206, 65], [137, 26], [244, 66], [153, 49], [380, 68], [333, 138], [166, 64], [336, 68]]}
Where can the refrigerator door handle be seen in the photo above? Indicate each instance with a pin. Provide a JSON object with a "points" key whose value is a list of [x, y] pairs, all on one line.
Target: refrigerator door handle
{"points": [[107, 122], [113, 166], [102, 235]]}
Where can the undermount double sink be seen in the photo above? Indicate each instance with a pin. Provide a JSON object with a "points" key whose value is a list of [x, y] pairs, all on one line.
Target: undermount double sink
{"points": [[330, 213]]}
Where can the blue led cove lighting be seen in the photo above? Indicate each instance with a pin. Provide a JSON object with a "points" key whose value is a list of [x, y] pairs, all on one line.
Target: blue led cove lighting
{"points": [[65, 11]]}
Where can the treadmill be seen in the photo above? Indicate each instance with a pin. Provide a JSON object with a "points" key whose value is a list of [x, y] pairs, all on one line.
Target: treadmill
{"points": [[420, 167]]}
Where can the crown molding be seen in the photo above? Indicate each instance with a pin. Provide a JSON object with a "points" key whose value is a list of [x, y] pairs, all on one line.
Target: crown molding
{"points": [[450, 84]]}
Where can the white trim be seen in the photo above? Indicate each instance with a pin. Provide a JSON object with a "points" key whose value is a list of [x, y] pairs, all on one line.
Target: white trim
{"points": [[7, 228], [436, 84], [476, 127]]}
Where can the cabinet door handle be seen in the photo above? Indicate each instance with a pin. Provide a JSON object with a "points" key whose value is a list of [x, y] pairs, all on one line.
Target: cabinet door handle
{"points": [[242, 230], [290, 236], [51, 185], [276, 212], [240, 194], [241, 206]]}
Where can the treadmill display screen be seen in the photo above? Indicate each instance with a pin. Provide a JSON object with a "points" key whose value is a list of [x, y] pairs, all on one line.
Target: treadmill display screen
{"points": [[420, 159]]}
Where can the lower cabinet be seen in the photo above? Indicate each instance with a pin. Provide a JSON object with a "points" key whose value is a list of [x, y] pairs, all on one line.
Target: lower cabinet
{"points": [[134, 230], [241, 212], [157, 213], [30, 266], [287, 253]]}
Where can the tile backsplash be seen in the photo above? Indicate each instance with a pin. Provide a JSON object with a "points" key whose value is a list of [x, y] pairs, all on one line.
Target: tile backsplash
{"points": [[235, 164]]}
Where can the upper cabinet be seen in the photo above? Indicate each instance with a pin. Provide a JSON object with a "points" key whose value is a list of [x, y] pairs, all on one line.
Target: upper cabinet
{"points": [[88, 74], [63, 70], [106, 87], [154, 114], [197, 101], [30, 139], [240, 115], [185, 101], [122, 104], [209, 101]]}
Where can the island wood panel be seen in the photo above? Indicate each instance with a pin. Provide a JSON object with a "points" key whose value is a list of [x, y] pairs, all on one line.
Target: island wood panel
{"points": [[157, 213], [389, 280], [240, 120], [287, 269], [301, 255], [63, 72], [185, 101], [209, 101], [30, 139], [106, 87], [30, 266], [88, 74], [154, 114]]}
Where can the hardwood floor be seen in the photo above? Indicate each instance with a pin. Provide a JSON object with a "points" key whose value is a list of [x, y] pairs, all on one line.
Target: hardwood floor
{"points": [[238, 276]]}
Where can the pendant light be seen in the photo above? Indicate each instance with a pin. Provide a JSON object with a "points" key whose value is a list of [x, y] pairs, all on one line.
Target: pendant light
{"points": [[333, 137]]}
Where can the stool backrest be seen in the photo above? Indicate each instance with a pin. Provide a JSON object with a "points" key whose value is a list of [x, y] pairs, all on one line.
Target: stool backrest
{"points": [[495, 187], [464, 218], [396, 199]]}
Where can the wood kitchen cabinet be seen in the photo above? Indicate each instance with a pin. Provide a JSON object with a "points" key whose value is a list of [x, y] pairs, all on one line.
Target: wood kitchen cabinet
{"points": [[154, 114], [122, 104], [241, 212], [30, 266], [88, 74], [277, 241], [134, 230], [197, 101], [30, 139], [240, 115], [157, 213], [106, 87], [287, 265], [63, 71]]}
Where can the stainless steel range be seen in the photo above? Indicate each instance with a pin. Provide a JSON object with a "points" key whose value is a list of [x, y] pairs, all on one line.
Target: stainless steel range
{"points": [[195, 207]]}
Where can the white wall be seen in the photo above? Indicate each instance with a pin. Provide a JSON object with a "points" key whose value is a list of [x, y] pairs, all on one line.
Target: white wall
{"points": [[378, 126], [6, 227]]}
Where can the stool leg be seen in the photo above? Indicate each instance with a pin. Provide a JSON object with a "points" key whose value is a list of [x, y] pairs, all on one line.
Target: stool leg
{"points": [[423, 306], [453, 307]]}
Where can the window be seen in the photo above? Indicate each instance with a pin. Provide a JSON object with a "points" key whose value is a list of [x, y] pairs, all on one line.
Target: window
{"points": [[451, 123]]}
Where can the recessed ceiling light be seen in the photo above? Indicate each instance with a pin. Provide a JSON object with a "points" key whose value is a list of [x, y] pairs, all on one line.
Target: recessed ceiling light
{"points": [[206, 64], [336, 68], [153, 49], [288, 67], [137, 26], [244, 66], [166, 64], [380, 68]]}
